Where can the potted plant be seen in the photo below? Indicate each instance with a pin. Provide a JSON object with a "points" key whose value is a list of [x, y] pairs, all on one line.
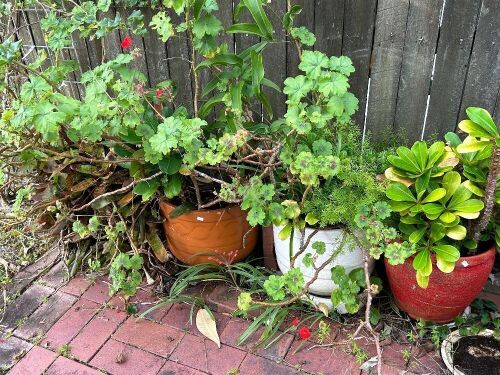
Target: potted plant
{"points": [[216, 145], [326, 174], [446, 198]]}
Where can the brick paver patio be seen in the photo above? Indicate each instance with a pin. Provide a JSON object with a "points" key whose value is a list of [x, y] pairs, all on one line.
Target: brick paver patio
{"points": [[75, 328]]}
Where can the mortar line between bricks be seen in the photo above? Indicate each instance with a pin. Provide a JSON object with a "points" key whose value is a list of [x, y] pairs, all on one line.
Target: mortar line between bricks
{"points": [[109, 337], [12, 333]]}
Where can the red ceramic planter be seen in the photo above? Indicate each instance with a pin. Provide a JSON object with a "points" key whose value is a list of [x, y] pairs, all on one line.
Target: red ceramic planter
{"points": [[448, 294]]}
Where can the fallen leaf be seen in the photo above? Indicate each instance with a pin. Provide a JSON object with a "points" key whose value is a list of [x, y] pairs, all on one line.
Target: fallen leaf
{"points": [[323, 308], [206, 325]]}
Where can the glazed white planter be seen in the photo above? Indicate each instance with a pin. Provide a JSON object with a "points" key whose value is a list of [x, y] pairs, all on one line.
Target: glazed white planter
{"points": [[350, 258]]}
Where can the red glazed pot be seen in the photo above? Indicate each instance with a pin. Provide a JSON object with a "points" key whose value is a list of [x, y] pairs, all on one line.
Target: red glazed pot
{"points": [[448, 294]]}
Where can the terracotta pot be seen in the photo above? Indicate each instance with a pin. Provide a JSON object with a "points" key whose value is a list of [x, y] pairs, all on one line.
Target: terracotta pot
{"points": [[448, 294], [209, 236]]}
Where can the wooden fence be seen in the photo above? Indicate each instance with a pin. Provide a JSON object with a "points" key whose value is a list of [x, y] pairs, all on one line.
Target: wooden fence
{"points": [[419, 63]]}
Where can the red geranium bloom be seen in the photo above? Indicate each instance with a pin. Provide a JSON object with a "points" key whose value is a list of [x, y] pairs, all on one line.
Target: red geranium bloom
{"points": [[295, 322], [304, 333], [127, 42], [159, 93]]}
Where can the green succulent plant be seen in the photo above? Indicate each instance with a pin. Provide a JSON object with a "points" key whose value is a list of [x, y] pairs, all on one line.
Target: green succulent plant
{"points": [[445, 195]]}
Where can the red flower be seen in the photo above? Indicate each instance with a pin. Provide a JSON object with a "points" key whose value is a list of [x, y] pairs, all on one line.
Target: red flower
{"points": [[159, 93], [127, 42], [304, 333], [295, 322]]}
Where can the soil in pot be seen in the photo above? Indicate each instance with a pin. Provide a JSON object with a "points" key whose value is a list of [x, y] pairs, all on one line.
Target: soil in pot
{"points": [[477, 355]]}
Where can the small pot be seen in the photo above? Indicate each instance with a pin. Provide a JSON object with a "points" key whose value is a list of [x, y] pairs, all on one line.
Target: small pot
{"points": [[448, 294], [447, 349], [209, 236], [350, 258]]}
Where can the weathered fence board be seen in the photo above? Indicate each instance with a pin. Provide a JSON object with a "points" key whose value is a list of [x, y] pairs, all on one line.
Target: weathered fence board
{"points": [[275, 59], [329, 32], [483, 76], [416, 70], [390, 32], [452, 59], [418, 63], [357, 41]]}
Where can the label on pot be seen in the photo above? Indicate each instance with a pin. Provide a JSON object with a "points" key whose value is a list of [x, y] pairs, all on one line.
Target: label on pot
{"points": [[199, 218]]}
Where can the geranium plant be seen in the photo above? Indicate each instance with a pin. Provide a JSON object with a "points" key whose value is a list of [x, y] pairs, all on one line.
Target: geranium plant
{"points": [[101, 161], [445, 195]]}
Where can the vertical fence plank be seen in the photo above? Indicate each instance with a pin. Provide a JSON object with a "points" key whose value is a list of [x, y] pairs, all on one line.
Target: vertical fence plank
{"points": [[328, 26], [179, 66], [483, 76], [418, 57], [274, 57], [452, 59], [111, 42], [359, 24], [390, 31], [24, 34], [305, 18], [155, 52]]}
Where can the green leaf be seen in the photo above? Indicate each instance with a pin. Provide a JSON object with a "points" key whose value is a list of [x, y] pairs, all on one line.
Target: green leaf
{"points": [[285, 232], [451, 182], [260, 18], [435, 195], [312, 62], [170, 164], [399, 192], [221, 59], [257, 71], [297, 87], [482, 117], [245, 28], [423, 263], [303, 35], [172, 186], [419, 149], [469, 206], [447, 253], [163, 26], [294, 11], [417, 235], [146, 189], [458, 232], [443, 265], [342, 64], [422, 280]]}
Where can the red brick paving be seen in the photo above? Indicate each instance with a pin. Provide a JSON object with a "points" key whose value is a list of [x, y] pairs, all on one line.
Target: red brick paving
{"points": [[35, 362], [98, 292], [172, 368], [204, 355], [95, 333], [150, 336], [76, 286], [104, 338], [65, 366], [70, 324], [179, 317], [121, 359]]}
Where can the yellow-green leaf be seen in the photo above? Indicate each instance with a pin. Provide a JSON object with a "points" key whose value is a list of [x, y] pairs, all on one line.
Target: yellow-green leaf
{"points": [[422, 281], [457, 232]]}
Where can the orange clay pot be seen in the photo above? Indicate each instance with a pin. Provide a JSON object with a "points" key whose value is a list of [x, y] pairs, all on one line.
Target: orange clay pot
{"points": [[209, 236]]}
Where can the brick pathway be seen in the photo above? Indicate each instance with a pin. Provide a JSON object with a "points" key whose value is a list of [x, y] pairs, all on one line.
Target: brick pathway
{"points": [[75, 328]]}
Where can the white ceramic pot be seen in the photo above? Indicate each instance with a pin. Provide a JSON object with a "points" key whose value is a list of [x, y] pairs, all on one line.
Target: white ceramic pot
{"points": [[350, 258]]}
